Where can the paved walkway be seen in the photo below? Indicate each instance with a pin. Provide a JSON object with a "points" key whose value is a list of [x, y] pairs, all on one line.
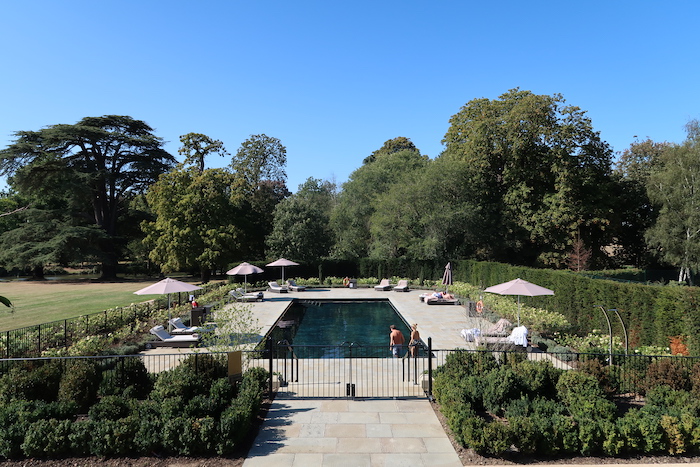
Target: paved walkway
{"points": [[363, 432], [320, 432]]}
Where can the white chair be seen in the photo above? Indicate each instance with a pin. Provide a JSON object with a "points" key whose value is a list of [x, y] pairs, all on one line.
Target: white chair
{"points": [[275, 287], [168, 340], [292, 285], [401, 286], [180, 328], [383, 285]]}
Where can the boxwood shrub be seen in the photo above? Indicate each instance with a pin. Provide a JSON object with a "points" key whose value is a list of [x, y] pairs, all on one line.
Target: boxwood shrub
{"points": [[206, 420], [548, 412]]}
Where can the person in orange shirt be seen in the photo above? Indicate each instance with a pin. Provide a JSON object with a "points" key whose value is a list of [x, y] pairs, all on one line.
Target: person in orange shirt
{"points": [[396, 341]]}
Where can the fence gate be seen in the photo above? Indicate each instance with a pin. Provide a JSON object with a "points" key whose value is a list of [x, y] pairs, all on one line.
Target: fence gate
{"points": [[348, 370]]}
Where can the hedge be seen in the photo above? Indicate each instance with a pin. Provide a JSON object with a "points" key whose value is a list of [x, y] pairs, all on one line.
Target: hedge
{"points": [[651, 313], [192, 410], [492, 405]]}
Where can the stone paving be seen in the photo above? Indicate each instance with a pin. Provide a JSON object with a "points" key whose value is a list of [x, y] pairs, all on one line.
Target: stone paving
{"points": [[364, 431]]}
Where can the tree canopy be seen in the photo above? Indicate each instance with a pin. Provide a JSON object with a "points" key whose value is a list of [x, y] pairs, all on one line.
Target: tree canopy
{"points": [[542, 173], [674, 185], [101, 163]]}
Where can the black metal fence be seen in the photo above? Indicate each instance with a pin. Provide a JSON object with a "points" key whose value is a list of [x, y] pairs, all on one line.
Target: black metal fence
{"points": [[352, 371], [30, 341], [349, 370]]}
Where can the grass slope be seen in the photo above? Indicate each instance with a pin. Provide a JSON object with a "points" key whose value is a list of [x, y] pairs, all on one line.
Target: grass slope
{"points": [[46, 301]]}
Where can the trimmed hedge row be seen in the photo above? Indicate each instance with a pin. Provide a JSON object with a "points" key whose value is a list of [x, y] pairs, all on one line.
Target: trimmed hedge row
{"points": [[491, 406], [652, 313], [189, 410]]}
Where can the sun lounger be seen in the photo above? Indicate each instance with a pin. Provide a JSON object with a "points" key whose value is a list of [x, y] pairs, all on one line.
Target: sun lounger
{"points": [[401, 286], [383, 285], [292, 285], [168, 340], [444, 300], [275, 287], [240, 296], [180, 328]]}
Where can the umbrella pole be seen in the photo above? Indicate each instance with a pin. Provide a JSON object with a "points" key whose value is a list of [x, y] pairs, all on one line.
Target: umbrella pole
{"points": [[169, 324], [518, 310]]}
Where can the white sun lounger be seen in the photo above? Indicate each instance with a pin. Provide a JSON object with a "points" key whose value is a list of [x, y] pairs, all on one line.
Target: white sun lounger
{"points": [[383, 285], [168, 340], [180, 328], [275, 287]]}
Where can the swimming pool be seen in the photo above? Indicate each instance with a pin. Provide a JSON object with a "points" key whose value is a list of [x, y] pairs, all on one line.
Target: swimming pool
{"points": [[362, 323]]}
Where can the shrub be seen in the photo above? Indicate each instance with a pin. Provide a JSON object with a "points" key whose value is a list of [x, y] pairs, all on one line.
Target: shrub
{"points": [[472, 435], [79, 383], [666, 371], [178, 382], [47, 438], [206, 367], [199, 406], [176, 434], [129, 375], [81, 433], [584, 398], [527, 439], [498, 437], [539, 378], [114, 437], [41, 410], [15, 419], [603, 374], [221, 394], [31, 381], [460, 364], [591, 435], [149, 432], [110, 408], [500, 386]]}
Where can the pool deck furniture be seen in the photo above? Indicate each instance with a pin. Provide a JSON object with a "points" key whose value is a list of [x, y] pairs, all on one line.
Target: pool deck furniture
{"points": [[240, 296], [292, 285], [401, 286], [384, 285], [180, 328], [168, 340], [275, 287]]}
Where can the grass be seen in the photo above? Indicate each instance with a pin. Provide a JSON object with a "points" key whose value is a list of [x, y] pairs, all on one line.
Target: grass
{"points": [[46, 301]]}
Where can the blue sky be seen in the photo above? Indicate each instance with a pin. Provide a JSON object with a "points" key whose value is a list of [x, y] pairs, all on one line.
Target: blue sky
{"points": [[335, 80]]}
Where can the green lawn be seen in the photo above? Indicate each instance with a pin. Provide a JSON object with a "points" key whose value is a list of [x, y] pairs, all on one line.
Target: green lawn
{"points": [[42, 302]]}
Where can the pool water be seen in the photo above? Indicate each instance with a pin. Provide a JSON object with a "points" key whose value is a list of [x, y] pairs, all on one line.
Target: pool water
{"points": [[364, 323]]}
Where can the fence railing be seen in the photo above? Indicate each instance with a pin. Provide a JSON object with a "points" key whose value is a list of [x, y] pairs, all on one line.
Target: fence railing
{"points": [[349, 371], [31, 341]]}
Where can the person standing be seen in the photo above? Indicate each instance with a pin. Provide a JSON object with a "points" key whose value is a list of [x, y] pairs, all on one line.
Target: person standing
{"points": [[396, 341], [414, 341]]}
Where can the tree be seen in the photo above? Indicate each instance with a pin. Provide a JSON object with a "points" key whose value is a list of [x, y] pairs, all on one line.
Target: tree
{"points": [[260, 180], [196, 213], [301, 229], [196, 147], [674, 186], [364, 192], [260, 158], [428, 215], [579, 256], [542, 172], [634, 213], [109, 159]]}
